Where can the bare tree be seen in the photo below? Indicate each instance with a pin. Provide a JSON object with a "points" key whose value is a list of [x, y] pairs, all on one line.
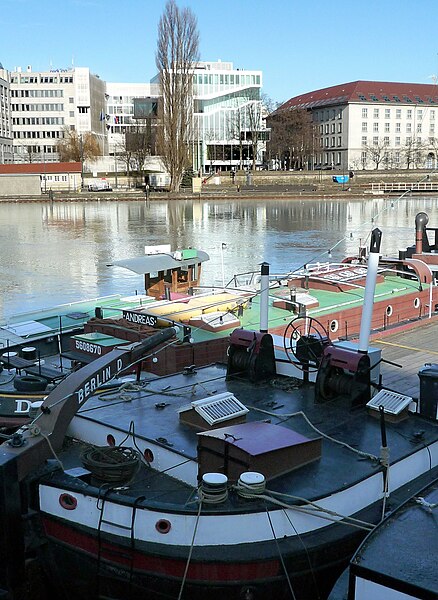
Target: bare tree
{"points": [[293, 137], [74, 147], [176, 56], [377, 151], [254, 116], [413, 152], [235, 128]]}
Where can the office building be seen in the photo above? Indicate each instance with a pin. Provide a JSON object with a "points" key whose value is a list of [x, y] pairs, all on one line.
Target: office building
{"points": [[373, 125], [44, 104]]}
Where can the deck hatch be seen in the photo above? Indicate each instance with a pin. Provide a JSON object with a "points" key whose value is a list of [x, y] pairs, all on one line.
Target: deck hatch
{"points": [[392, 402], [26, 328], [219, 408]]}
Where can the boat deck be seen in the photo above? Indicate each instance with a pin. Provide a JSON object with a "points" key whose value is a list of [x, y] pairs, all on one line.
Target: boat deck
{"points": [[412, 349], [25, 328], [153, 411]]}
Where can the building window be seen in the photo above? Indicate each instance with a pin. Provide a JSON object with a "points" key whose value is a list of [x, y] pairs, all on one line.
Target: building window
{"points": [[418, 127], [376, 113], [364, 140], [398, 113], [333, 128], [386, 140], [338, 161], [333, 142], [432, 115], [364, 113], [420, 114], [364, 127], [376, 127], [339, 127], [397, 157], [397, 141], [375, 140], [408, 127], [386, 127], [432, 129], [409, 113], [339, 141], [387, 113], [397, 127]]}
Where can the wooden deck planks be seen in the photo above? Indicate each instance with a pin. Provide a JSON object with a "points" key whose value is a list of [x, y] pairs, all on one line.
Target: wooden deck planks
{"points": [[412, 349]]}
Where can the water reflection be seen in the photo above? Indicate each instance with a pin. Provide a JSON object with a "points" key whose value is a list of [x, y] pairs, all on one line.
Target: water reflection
{"points": [[59, 252]]}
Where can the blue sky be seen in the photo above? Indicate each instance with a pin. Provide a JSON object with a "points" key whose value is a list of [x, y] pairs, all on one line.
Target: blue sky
{"points": [[299, 46]]}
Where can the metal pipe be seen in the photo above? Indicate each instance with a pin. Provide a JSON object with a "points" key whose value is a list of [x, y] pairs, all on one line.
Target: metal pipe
{"points": [[264, 297], [421, 220], [370, 286]]}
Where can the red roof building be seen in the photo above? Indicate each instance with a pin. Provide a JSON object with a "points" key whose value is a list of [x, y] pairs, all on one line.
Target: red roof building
{"points": [[15, 178], [372, 124]]}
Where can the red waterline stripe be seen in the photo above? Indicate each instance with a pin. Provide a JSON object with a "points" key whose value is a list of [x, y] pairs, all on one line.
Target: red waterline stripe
{"points": [[211, 572]]}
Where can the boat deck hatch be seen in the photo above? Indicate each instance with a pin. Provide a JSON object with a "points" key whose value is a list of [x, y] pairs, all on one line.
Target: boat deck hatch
{"points": [[266, 448], [26, 328]]}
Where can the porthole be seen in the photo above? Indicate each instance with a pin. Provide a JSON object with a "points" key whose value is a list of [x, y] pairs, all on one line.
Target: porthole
{"points": [[68, 501], [110, 440], [334, 326], [388, 310], [148, 455], [163, 526], [417, 303]]}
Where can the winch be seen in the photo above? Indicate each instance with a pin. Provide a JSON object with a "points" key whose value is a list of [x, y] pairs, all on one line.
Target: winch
{"points": [[346, 373], [251, 354]]}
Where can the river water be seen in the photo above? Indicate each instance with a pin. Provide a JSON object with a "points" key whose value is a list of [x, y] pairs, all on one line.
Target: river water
{"points": [[54, 253]]}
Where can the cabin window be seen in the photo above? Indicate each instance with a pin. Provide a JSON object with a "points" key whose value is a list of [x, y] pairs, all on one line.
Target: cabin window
{"points": [[417, 303], [389, 310]]}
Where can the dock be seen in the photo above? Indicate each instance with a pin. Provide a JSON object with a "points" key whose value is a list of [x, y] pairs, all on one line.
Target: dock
{"points": [[411, 348]]}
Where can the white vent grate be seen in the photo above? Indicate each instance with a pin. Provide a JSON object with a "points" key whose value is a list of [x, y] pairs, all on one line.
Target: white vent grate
{"points": [[392, 402], [221, 407]]}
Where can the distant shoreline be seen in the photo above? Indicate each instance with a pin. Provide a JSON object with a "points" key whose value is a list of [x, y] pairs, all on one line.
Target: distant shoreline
{"points": [[206, 195]]}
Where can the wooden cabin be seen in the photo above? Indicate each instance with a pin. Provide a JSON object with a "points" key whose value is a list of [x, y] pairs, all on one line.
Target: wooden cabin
{"points": [[167, 274]]}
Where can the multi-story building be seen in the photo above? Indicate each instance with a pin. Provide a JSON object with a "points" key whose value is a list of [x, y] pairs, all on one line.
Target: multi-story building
{"points": [[44, 104], [229, 131], [373, 125], [120, 112], [6, 154]]}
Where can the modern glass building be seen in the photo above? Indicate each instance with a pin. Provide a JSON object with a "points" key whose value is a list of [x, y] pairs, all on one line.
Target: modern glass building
{"points": [[229, 132]]}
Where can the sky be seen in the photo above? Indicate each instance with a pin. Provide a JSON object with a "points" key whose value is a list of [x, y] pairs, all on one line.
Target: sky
{"points": [[299, 46]]}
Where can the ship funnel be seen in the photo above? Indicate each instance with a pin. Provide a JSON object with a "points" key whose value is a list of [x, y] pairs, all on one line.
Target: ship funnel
{"points": [[370, 286], [264, 297], [421, 220]]}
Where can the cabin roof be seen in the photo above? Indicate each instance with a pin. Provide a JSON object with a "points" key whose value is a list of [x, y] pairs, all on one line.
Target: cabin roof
{"points": [[403, 547], [152, 263]]}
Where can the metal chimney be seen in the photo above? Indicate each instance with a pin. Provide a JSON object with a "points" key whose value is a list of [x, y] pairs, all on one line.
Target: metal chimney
{"points": [[421, 220], [264, 297], [370, 286]]}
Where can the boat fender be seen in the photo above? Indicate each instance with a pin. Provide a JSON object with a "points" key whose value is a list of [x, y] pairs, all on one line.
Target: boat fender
{"points": [[29, 383]]}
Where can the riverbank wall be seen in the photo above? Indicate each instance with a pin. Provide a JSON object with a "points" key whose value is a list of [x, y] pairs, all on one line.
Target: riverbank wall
{"points": [[259, 184]]}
